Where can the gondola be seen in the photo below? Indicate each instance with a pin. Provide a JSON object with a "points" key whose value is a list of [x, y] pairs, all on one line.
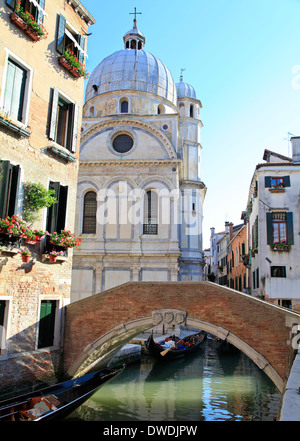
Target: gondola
{"points": [[181, 348], [223, 347], [57, 401]]}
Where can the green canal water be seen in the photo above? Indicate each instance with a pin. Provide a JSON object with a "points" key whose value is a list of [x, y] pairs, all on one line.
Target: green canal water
{"points": [[206, 386]]}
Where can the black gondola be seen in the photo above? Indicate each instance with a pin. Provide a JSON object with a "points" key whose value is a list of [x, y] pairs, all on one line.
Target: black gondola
{"points": [[223, 347], [181, 348], [57, 401]]}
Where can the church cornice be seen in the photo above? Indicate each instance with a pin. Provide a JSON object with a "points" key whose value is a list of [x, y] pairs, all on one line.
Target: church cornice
{"points": [[130, 162], [121, 122]]}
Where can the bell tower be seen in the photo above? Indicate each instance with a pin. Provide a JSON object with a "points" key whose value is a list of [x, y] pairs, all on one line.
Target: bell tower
{"points": [[192, 188]]}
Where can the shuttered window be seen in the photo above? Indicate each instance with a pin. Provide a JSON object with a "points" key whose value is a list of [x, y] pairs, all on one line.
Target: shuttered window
{"points": [[47, 323], [14, 91], [64, 122], [56, 215], [274, 181], [35, 7], [9, 184], [280, 228], [89, 213], [67, 39]]}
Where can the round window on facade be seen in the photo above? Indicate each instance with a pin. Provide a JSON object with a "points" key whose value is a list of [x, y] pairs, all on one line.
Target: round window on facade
{"points": [[122, 143]]}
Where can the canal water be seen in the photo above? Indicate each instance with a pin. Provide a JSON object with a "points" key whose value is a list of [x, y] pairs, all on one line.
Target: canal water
{"points": [[206, 386]]}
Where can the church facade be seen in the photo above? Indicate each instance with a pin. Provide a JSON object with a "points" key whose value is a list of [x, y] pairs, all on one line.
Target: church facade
{"points": [[140, 195]]}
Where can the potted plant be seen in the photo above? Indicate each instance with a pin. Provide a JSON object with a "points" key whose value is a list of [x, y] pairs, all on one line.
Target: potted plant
{"points": [[36, 197], [70, 61], [65, 239], [53, 255], [26, 254], [24, 20]]}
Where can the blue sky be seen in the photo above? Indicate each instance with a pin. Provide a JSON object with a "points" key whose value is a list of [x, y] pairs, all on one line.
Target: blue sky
{"points": [[243, 59]]}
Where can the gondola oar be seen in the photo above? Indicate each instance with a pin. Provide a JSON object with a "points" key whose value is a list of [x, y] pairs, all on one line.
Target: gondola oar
{"points": [[163, 353]]}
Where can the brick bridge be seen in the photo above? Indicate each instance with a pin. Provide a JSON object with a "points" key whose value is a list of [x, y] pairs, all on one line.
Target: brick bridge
{"points": [[98, 326]]}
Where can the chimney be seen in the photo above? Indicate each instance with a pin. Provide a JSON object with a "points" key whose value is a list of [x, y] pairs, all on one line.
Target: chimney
{"points": [[295, 140], [226, 227], [230, 231]]}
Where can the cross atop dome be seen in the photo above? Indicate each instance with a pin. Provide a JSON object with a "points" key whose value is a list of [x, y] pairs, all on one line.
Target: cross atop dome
{"points": [[135, 14], [134, 39]]}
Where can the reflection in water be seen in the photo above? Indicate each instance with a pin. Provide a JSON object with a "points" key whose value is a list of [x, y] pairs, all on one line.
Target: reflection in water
{"points": [[202, 387]]}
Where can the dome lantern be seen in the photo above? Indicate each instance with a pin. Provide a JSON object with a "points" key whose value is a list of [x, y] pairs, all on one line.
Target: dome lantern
{"points": [[134, 39]]}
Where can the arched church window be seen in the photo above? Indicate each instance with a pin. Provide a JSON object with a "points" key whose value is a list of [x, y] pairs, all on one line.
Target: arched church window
{"points": [[181, 109], [160, 109], [150, 212], [191, 111], [124, 106], [92, 111], [89, 213], [133, 44]]}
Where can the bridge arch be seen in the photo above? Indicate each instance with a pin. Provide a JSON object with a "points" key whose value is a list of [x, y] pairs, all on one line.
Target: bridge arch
{"points": [[98, 326]]}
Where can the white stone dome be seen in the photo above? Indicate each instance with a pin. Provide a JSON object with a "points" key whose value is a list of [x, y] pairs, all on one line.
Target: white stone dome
{"points": [[132, 69], [185, 90]]}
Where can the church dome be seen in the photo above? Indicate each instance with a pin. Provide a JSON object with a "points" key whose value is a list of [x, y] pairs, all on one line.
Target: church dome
{"points": [[132, 69], [185, 90]]}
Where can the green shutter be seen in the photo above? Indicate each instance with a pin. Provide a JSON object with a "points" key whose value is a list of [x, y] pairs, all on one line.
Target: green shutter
{"points": [[62, 208], [269, 218], [61, 34], [53, 210], [81, 41], [47, 323], [74, 129], [290, 228], [39, 13], [286, 181], [4, 179], [267, 181], [52, 128], [13, 191], [14, 90], [2, 311]]}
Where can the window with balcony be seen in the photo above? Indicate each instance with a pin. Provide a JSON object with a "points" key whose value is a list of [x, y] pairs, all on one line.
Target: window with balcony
{"points": [[150, 213]]}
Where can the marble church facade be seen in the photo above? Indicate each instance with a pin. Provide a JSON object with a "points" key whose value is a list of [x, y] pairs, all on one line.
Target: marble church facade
{"points": [[140, 195]]}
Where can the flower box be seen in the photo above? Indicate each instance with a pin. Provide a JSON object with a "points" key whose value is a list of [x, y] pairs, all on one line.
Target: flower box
{"points": [[280, 247], [35, 36], [18, 21], [68, 66], [26, 22], [276, 190]]}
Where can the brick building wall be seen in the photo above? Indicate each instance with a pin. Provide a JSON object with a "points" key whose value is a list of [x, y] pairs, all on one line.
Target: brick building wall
{"points": [[26, 142], [236, 269]]}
